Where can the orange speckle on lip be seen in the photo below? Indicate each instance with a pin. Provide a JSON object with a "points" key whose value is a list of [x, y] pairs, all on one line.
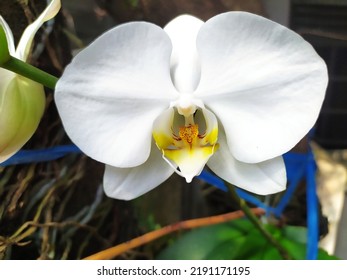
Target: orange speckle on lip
{"points": [[189, 133]]}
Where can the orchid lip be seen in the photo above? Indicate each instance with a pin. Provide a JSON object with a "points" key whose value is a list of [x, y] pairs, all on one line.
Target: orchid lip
{"points": [[187, 137]]}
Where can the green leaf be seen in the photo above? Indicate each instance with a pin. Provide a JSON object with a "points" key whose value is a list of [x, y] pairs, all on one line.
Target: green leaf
{"points": [[203, 242], [238, 240], [133, 3], [295, 233], [294, 240], [296, 250], [323, 255]]}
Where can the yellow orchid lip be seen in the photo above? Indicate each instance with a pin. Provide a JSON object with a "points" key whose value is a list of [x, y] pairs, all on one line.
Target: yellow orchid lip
{"points": [[187, 151]]}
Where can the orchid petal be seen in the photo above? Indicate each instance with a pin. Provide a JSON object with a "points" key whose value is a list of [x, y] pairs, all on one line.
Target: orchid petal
{"points": [[262, 178], [264, 82], [22, 104], [129, 183], [111, 93], [26, 40], [9, 35], [163, 129], [185, 66]]}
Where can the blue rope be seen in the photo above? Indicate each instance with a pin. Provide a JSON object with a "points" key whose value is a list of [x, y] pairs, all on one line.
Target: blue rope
{"points": [[295, 168], [41, 155], [312, 211], [213, 180], [219, 184], [255, 201]]}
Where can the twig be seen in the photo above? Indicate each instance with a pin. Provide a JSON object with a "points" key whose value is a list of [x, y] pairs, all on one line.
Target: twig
{"points": [[153, 235]]}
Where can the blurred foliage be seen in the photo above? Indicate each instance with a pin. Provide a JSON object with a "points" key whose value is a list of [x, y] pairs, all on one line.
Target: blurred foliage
{"points": [[238, 240]]}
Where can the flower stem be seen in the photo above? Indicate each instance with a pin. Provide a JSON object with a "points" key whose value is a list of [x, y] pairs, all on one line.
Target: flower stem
{"points": [[256, 222], [24, 69]]}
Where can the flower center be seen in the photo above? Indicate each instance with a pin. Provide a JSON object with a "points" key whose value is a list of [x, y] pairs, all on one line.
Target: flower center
{"points": [[189, 133], [186, 134]]}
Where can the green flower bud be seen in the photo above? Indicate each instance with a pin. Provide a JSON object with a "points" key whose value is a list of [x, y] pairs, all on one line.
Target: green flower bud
{"points": [[22, 104]]}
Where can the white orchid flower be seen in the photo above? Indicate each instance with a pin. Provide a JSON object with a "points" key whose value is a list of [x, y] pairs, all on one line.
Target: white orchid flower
{"points": [[22, 101], [234, 93]]}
